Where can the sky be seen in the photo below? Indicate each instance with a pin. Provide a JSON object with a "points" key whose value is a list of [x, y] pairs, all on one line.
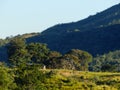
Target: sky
{"points": [[27, 16]]}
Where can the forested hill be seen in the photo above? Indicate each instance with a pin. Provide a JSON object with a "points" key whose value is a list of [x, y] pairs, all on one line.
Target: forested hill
{"points": [[96, 34]]}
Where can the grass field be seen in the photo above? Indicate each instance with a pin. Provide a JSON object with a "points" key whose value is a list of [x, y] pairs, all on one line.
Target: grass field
{"points": [[80, 80]]}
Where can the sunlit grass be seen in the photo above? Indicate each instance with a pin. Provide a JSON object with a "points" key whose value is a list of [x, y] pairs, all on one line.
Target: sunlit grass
{"points": [[61, 79]]}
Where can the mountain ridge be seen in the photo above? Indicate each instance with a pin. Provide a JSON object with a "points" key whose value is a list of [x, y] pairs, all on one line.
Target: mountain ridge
{"points": [[63, 37], [90, 18]]}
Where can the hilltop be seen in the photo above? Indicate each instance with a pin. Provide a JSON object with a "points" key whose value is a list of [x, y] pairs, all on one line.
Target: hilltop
{"points": [[97, 34]]}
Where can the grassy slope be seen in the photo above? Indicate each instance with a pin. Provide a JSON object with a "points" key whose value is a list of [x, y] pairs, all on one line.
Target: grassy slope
{"points": [[78, 80]]}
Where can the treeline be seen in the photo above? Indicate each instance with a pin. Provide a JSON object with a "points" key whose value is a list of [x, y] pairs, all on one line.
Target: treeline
{"points": [[107, 62], [23, 70], [37, 53]]}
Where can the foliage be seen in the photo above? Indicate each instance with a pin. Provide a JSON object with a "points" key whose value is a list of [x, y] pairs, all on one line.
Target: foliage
{"points": [[29, 78], [6, 79], [106, 62], [38, 52], [74, 60], [16, 51], [84, 58]]}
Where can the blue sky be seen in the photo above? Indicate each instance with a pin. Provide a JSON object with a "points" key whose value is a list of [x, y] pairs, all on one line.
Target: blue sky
{"points": [[26, 16]]}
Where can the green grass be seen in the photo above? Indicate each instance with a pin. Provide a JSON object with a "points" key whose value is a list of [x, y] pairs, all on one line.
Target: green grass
{"points": [[79, 80]]}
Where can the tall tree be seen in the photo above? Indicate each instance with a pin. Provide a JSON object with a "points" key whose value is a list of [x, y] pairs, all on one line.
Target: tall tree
{"points": [[38, 52], [53, 60], [17, 51]]}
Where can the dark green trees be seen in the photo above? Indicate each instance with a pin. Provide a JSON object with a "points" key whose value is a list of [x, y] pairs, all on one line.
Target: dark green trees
{"points": [[53, 60], [21, 53], [17, 51], [38, 52], [106, 62]]}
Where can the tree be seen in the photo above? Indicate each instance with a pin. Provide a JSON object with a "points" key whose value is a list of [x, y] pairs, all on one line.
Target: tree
{"points": [[38, 52], [106, 62], [17, 51], [54, 54], [53, 60], [84, 58], [108, 67], [69, 61], [6, 79]]}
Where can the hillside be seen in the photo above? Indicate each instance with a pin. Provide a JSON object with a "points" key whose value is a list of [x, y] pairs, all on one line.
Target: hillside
{"points": [[97, 34]]}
